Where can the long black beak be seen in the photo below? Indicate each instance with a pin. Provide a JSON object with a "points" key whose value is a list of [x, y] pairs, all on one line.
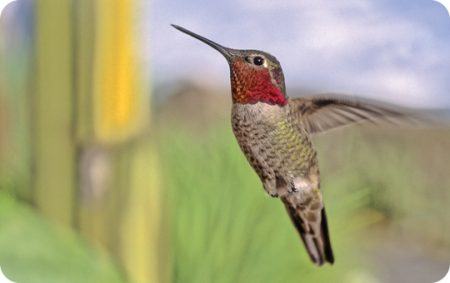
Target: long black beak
{"points": [[223, 50]]}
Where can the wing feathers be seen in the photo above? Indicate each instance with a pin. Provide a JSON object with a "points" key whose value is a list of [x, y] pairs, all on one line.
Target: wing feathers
{"points": [[319, 114]]}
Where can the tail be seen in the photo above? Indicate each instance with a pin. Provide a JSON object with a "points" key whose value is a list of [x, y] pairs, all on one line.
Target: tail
{"points": [[314, 233]]}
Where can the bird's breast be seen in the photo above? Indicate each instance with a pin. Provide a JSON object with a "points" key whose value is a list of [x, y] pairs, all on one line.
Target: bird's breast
{"points": [[253, 124], [258, 113], [266, 132]]}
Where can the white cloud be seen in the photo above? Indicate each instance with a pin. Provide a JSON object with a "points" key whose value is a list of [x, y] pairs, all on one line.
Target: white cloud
{"points": [[364, 46]]}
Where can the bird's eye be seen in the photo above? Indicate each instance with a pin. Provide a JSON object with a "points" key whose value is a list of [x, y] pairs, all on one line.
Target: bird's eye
{"points": [[258, 60]]}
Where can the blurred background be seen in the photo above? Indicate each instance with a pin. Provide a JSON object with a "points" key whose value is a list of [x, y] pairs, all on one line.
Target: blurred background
{"points": [[118, 164]]}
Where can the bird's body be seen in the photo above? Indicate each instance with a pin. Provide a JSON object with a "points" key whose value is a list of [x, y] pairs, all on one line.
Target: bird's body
{"points": [[274, 143], [279, 149], [274, 132]]}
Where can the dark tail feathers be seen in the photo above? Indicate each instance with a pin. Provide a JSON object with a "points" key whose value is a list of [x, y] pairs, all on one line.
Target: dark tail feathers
{"points": [[317, 246]]}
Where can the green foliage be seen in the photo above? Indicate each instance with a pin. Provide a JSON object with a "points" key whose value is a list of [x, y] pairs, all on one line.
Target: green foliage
{"points": [[224, 228], [32, 250], [405, 172]]}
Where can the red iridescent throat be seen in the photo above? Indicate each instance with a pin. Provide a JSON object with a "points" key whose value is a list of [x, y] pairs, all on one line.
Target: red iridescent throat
{"points": [[250, 85]]}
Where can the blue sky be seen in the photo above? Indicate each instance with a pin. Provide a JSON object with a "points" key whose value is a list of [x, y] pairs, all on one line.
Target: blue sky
{"points": [[392, 50], [396, 50]]}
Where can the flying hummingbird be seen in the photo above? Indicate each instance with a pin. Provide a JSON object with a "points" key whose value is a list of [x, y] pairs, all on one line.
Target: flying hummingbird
{"points": [[274, 132]]}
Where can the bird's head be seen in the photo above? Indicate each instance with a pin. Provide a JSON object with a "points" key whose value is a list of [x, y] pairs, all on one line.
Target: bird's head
{"points": [[256, 76]]}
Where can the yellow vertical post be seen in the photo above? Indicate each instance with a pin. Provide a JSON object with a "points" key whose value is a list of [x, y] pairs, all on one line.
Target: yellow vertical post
{"points": [[118, 106], [139, 236], [125, 217], [54, 156], [94, 205], [84, 21]]}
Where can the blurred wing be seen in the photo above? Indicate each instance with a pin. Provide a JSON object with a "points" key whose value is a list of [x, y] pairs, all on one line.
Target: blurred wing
{"points": [[319, 114]]}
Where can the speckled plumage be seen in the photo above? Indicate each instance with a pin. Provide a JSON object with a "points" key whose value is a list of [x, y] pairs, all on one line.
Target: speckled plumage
{"points": [[274, 132], [274, 144], [280, 151]]}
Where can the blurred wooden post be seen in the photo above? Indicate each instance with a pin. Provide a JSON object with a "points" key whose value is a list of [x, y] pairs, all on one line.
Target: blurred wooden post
{"points": [[95, 167], [54, 156], [119, 209]]}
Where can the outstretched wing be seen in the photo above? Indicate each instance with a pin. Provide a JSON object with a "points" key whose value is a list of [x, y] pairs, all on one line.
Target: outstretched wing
{"points": [[322, 113]]}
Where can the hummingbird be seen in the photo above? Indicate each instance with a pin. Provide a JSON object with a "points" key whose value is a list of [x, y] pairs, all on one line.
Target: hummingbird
{"points": [[274, 133]]}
